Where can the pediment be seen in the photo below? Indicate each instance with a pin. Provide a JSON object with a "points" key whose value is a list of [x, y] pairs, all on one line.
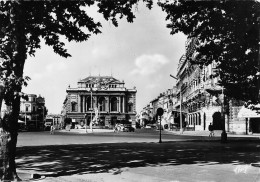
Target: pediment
{"points": [[100, 79]]}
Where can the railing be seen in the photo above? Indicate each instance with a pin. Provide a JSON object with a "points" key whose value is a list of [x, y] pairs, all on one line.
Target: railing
{"points": [[193, 94]]}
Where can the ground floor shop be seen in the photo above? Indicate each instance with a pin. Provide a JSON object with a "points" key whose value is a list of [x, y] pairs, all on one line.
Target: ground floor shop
{"points": [[231, 121]]}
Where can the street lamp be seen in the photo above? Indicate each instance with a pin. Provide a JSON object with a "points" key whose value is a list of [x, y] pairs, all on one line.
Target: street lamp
{"points": [[43, 115], [181, 129], [91, 108], [91, 105], [85, 116], [26, 106], [223, 134]]}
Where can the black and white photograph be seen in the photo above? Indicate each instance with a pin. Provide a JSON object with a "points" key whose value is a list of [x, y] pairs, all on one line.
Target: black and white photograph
{"points": [[130, 90]]}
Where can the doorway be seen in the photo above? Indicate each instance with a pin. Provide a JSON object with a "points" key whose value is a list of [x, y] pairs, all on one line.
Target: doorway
{"points": [[217, 124]]}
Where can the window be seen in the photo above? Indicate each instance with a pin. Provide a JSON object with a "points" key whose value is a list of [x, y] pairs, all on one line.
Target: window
{"points": [[73, 106], [89, 103], [114, 104], [102, 104], [26, 108], [130, 107]]}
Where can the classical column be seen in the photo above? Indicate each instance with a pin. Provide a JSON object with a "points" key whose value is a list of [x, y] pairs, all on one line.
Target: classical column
{"points": [[84, 104], [96, 101], [79, 102], [106, 104], [109, 104], [123, 104], [119, 104]]}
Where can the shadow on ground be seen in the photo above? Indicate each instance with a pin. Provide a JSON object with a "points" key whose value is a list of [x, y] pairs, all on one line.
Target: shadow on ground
{"points": [[65, 160]]}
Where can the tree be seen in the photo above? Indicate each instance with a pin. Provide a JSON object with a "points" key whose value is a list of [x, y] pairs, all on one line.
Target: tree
{"points": [[227, 33], [23, 24]]}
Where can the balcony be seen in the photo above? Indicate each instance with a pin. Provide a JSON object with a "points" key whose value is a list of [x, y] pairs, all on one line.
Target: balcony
{"points": [[212, 88], [193, 94]]}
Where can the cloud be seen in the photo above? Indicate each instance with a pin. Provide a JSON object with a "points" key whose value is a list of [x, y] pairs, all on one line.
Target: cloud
{"points": [[149, 64], [151, 86], [56, 66]]}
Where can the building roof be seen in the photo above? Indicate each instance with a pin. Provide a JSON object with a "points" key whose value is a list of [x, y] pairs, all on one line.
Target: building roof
{"points": [[98, 79]]}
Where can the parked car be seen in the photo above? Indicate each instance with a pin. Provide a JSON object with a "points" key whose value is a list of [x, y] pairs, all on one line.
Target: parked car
{"points": [[128, 129], [150, 126]]}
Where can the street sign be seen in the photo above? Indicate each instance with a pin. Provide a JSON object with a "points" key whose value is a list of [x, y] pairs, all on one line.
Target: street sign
{"points": [[160, 111]]}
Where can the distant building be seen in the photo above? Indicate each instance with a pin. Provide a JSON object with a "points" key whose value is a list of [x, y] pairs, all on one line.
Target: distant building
{"points": [[32, 112], [165, 100], [54, 119], [110, 103]]}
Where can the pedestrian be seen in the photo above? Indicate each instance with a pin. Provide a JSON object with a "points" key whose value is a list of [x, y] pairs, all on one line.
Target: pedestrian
{"points": [[52, 130], [116, 128], [211, 130]]}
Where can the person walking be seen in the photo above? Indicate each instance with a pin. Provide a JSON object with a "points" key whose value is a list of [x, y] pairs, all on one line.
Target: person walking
{"points": [[52, 130], [116, 128], [211, 130]]}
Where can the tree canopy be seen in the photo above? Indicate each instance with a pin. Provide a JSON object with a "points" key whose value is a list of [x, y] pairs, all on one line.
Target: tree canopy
{"points": [[23, 24], [228, 33]]}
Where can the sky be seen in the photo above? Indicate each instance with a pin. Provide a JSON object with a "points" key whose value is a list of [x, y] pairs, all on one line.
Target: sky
{"points": [[143, 54]]}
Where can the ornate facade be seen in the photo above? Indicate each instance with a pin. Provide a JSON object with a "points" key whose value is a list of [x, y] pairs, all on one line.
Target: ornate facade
{"points": [[201, 94], [203, 101], [32, 111], [102, 97]]}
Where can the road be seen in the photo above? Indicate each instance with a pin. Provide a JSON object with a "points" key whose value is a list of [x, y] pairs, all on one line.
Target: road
{"points": [[135, 157], [64, 138]]}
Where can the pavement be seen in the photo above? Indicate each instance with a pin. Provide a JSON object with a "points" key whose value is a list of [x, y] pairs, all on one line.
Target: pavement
{"points": [[198, 171], [217, 133], [83, 131]]}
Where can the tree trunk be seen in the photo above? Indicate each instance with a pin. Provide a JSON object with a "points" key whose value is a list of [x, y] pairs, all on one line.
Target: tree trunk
{"points": [[10, 121], [8, 151]]}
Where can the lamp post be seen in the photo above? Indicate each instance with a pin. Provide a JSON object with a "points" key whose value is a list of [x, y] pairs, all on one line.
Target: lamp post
{"points": [[91, 108], [223, 134], [43, 115], [26, 106], [85, 116], [181, 129]]}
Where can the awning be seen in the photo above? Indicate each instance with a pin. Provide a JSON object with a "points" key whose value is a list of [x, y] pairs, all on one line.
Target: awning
{"points": [[248, 113]]}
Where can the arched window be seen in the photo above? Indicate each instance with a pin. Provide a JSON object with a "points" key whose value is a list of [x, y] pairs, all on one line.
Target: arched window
{"points": [[73, 106], [102, 104], [89, 103], [130, 107], [114, 104]]}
